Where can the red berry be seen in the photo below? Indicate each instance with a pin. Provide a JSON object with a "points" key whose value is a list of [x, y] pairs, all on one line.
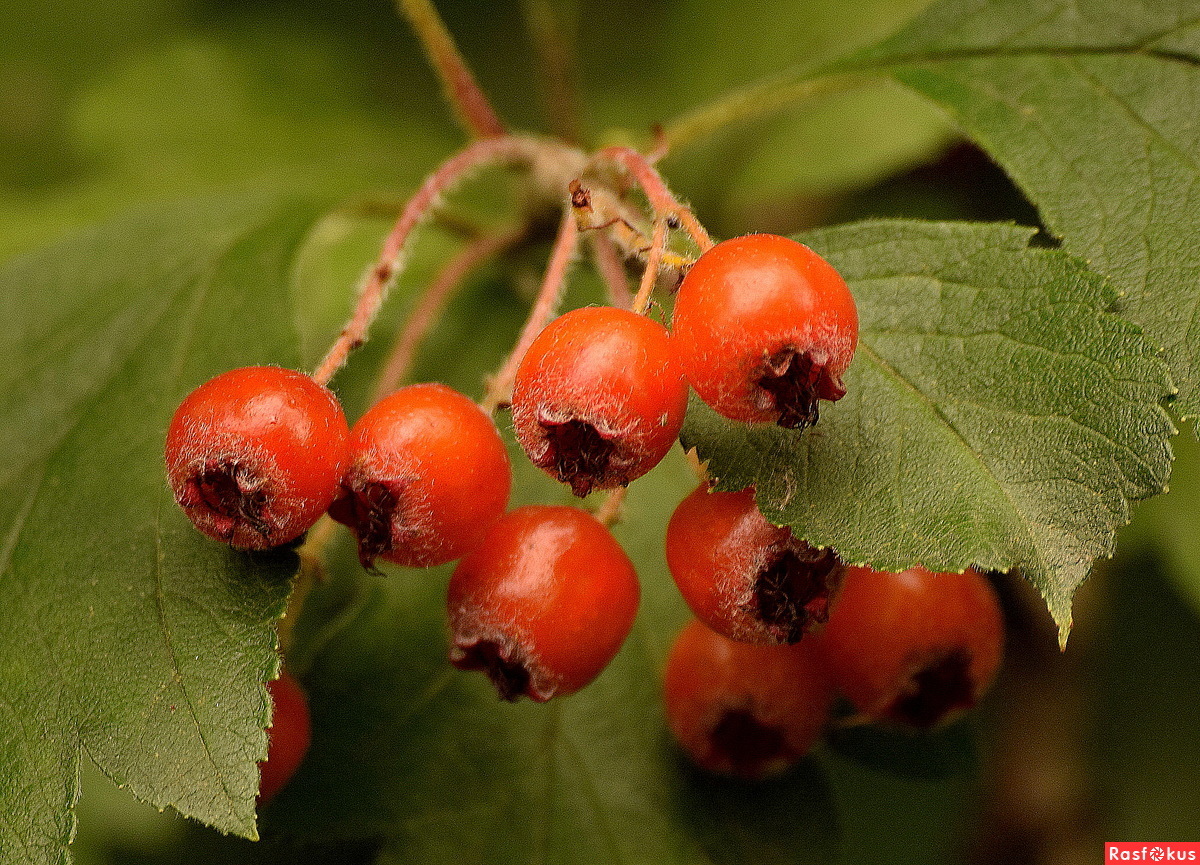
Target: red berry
{"points": [[743, 710], [288, 737], [916, 647], [598, 400], [254, 455], [743, 577], [764, 327], [428, 474], [543, 603]]}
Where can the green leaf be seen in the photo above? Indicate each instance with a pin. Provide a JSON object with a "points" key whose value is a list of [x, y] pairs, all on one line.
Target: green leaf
{"points": [[124, 633], [996, 413], [1089, 106]]}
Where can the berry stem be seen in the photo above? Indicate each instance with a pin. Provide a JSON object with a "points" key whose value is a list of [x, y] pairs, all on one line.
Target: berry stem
{"points": [[471, 106], [611, 269], [662, 201], [373, 289], [312, 571], [500, 386], [598, 209], [609, 513], [556, 68], [658, 242], [434, 299]]}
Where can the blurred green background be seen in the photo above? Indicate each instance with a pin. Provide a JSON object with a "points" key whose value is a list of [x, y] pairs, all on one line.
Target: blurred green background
{"points": [[106, 105]]}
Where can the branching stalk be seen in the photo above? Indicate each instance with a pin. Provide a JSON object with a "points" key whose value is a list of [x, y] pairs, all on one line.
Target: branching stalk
{"points": [[500, 387], [469, 102]]}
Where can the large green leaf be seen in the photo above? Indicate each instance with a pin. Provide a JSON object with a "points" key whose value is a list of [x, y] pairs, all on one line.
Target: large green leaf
{"points": [[124, 633], [1090, 106], [996, 413]]}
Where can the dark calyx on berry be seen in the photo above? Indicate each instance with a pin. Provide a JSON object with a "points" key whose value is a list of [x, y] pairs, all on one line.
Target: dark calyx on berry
{"points": [[937, 689], [511, 677], [368, 509], [792, 592], [747, 743], [794, 381], [231, 494], [579, 455]]}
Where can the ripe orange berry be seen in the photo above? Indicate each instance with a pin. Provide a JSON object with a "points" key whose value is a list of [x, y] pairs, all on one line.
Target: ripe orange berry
{"points": [[543, 603], [254, 455], [428, 474], [916, 647], [743, 710], [598, 400], [743, 577], [763, 327]]}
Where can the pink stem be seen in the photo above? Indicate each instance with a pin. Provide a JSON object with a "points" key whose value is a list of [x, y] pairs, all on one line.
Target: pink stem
{"points": [[500, 386], [661, 200], [374, 287], [658, 241], [434, 300], [611, 269]]}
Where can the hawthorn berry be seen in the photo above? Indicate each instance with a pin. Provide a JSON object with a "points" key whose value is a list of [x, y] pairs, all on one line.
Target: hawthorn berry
{"points": [[428, 473], [255, 454], [744, 577], [743, 710], [543, 603], [598, 400], [916, 647], [763, 327], [288, 737]]}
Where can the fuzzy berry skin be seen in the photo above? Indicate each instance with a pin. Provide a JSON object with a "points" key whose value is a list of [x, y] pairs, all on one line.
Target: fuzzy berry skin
{"points": [[255, 454], [598, 400], [743, 577], [288, 737], [764, 327], [428, 474], [742, 710], [543, 603], [915, 648]]}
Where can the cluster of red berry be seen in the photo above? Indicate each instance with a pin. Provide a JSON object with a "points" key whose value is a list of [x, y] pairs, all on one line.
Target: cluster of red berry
{"points": [[914, 649], [543, 597]]}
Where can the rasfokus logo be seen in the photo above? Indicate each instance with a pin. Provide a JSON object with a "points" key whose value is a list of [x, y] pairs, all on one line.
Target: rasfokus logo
{"points": [[1151, 851]]}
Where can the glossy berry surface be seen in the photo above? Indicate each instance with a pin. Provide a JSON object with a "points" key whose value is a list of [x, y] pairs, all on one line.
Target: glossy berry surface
{"points": [[916, 648], [598, 400], [255, 454], [288, 737], [744, 577], [737, 709], [428, 474], [543, 603], [763, 328]]}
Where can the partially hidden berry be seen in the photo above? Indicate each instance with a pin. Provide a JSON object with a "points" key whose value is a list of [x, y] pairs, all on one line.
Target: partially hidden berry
{"points": [[744, 577], [255, 454], [763, 328], [428, 473], [916, 648], [288, 737], [543, 603], [598, 400], [743, 710]]}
